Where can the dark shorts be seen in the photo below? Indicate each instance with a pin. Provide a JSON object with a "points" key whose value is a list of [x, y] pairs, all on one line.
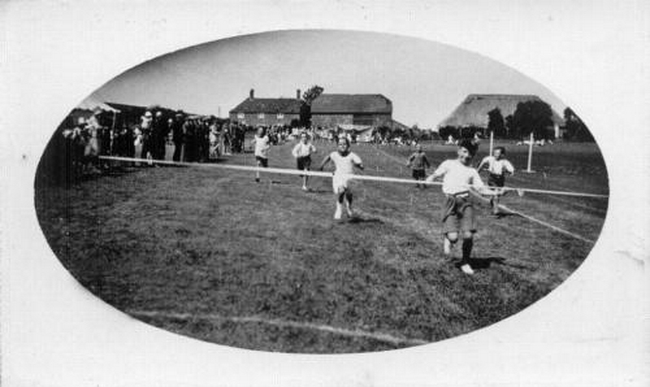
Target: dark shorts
{"points": [[303, 163], [264, 162], [496, 180], [458, 214], [418, 174]]}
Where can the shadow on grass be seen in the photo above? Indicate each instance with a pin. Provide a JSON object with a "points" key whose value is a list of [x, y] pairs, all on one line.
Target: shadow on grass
{"points": [[486, 263], [502, 215], [319, 191], [358, 219]]}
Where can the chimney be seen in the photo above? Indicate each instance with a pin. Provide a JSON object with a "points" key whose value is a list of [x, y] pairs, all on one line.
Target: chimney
{"points": [[252, 94], [297, 93]]}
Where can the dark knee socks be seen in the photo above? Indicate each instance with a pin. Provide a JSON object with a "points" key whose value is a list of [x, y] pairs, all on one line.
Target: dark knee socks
{"points": [[468, 243]]}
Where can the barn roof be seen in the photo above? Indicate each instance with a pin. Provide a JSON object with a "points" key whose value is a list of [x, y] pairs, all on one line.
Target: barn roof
{"points": [[351, 103], [268, 105], [473, 111]]}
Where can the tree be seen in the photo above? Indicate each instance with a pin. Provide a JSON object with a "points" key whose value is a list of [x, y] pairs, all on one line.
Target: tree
{"points": [[576, 130], [535, 117], [496, 124], [510, 128], [308, 97], [311, 94], [447, 131]]}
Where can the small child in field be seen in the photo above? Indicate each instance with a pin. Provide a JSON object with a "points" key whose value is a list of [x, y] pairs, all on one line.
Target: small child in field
{"points": [[262, 145], [302, 152], [458, 211], [498, 167], [344, 163], [418, 163]]}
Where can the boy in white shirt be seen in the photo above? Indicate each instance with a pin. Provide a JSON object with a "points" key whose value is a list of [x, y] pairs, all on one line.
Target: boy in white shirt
{"points": [[498, 167], [262, 145], [458, 212], [344, 163], [302, 152]]}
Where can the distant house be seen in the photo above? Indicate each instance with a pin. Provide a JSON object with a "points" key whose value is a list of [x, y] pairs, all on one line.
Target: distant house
{"points": [[473, 111], [334, 110], [255, 111]]}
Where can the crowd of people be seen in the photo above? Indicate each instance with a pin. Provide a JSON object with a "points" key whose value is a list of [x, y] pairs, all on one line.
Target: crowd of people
{"points": [[193, 139]]}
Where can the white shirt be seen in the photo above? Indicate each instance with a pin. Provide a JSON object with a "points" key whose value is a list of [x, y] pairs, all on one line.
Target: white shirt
{"points": [[497, 166], [344, 164], [262, 145], [457, 177], [303, 150]]}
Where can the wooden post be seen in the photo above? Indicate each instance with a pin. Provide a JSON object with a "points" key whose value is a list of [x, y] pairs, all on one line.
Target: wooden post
{"points": [[530, 153]]}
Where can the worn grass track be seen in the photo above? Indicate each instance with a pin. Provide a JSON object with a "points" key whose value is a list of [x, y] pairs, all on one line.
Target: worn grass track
{"points": [[167, 244]]}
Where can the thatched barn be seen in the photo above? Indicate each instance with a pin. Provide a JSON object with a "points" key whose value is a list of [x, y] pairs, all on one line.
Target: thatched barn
{"points": [[333, 110], [254, 111], [473, 111]]}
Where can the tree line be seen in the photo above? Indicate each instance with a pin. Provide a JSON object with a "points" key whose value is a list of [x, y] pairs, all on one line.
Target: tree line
{"points": [[529, 116]]}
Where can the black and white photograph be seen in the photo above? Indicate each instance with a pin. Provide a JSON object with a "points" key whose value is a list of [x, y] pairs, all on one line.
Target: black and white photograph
{"points": [[182, 194], [273, 193]]}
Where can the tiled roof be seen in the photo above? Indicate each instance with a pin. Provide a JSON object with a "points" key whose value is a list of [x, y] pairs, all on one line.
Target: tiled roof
{"points": [[269, 105], [351, 103]]}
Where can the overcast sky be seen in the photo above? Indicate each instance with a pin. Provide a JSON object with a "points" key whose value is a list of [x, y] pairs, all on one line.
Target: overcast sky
{"points": [[425, 80]]}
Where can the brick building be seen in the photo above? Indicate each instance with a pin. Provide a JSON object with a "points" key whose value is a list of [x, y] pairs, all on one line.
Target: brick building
{"points": [[332, 110], [267, 111]]}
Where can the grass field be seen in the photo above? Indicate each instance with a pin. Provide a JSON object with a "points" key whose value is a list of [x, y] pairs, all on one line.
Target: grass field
{"points": [[210, 254]]}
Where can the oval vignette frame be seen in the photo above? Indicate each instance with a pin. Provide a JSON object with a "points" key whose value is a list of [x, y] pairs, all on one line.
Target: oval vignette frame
{"points": [[181, 249]]}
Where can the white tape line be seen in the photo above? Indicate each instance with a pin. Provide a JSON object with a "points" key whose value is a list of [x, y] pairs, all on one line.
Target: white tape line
{"points": [[541, 222], [327, 174], [279, 323], [564, 193]]}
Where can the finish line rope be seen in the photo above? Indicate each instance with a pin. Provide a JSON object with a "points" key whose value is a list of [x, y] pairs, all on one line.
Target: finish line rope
{"points": [[329, 174]]}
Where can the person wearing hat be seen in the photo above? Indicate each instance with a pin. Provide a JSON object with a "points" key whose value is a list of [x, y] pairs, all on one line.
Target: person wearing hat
{"points": [[459, 217], [159, 134], [145, 129]]}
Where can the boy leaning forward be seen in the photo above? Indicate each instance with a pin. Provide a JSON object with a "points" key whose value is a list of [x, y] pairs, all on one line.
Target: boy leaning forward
{"points": [[459, 217]]}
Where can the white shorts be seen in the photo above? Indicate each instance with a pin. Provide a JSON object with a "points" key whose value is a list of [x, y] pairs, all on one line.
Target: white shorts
{"points": [[340, 183]]}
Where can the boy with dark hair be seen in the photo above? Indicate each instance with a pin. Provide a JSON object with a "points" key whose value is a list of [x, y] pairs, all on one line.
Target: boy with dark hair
{"points": [[458, 217], [418, 163], [344, 163], [498, 167]]}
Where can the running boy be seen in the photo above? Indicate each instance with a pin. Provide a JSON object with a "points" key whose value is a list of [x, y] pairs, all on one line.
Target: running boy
{"points": [[498, 167], [262, 144], [418, 163], [458, 211], [302, 152], [344, 164]]}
